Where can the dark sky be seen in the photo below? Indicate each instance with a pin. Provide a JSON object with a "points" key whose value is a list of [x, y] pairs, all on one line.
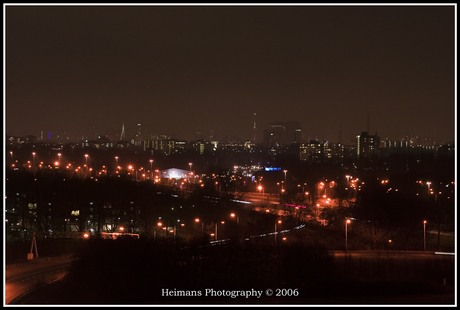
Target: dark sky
{"points": [[176, 68]]}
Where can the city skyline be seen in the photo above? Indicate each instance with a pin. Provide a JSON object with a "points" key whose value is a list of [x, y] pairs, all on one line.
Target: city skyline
{"points": [[179, 69], [258, 136]]}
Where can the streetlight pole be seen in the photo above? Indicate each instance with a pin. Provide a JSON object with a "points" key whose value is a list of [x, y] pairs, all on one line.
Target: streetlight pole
{"points": [[86, 158], [346, 234], [424, 236], [276, 229], [33, 163], [237, 217], [151, 172], [59, 155], [197, 220], [285, 179], [190, 164], [175, 233], [389, 242], [261, 188]]}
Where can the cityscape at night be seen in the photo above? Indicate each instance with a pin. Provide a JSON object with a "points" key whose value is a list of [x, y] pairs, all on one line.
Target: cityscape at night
{"points": [[230, 154]]}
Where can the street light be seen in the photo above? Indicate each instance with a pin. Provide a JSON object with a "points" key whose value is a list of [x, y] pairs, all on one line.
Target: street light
{"points": [[86, 158], [429, 185], [262, 190], [237, 217], [116, 162], [424, 236], [348, 221], [389, 242], [285, 180], [276, 226], [151, 172], [348, 179], [59, 155], [197, 220], [33, 155], [159, 224]]}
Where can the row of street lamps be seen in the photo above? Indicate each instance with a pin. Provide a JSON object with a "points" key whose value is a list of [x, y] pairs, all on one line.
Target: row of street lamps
{"points": [[197, 220], [86, 161], [348, 221]]}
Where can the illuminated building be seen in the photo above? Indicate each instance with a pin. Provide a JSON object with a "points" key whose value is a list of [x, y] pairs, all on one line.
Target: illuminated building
{"points": [[320, 152], [367, 146]]}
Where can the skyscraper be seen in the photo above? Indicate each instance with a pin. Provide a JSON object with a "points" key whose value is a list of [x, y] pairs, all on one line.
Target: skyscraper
{"points": [[367, 146], [283, 133], [254, 130], [122, 135], [139, 131]]}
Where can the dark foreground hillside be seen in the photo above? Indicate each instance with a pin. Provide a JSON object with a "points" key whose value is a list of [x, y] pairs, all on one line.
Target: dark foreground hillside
{"points": [[137, 272]]}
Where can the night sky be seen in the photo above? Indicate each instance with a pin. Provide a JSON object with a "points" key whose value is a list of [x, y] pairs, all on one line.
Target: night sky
{"points": [[180, 69]]}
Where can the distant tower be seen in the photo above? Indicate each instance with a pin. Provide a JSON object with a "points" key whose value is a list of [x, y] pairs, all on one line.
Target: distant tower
{"points": [[122, 136], [254, 130], [139, 131]]}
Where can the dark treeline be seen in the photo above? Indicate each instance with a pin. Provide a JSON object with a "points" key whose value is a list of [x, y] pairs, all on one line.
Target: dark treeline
{"points": [[55, 202]]}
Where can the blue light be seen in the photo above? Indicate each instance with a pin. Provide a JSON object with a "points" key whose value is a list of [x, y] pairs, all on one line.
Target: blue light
{"points": [[272, 169]]}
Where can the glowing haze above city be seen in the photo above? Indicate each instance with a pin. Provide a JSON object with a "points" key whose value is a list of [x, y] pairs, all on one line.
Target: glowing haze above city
{"points": [[180, 69]]}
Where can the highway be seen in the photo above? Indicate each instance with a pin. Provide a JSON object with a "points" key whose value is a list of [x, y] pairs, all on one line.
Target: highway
{"points": [[23, 278], [394, 254]]}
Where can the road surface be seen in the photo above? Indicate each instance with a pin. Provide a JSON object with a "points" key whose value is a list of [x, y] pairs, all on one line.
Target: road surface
{"points": [[21, 278]]}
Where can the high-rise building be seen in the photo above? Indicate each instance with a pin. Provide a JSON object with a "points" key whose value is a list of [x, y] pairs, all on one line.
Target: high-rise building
{"points": [[254, 130], [282, 133], [367, 146], [123, 135], [139, 131], [137, 141], [320, 152]]}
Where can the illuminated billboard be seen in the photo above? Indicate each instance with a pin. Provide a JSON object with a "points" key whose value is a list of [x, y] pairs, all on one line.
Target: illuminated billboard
{"points": [[272, 169]]}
